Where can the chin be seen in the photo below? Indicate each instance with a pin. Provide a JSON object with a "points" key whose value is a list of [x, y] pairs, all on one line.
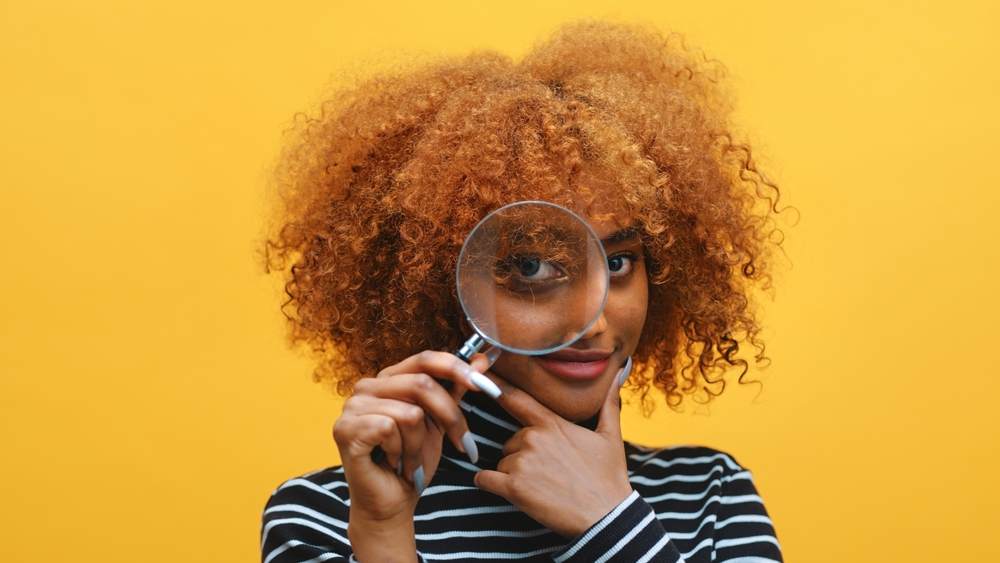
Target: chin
{"points": [[572, 400], [578, 411]]}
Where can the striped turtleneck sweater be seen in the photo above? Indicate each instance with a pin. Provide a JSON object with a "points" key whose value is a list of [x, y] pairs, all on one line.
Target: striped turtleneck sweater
{"points": [[688, 504]]}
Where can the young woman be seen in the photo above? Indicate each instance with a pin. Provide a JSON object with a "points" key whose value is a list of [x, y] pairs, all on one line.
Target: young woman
{"points": [[522, 459]]}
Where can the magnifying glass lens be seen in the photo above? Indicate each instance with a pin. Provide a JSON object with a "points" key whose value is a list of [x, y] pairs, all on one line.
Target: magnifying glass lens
{"points": [[532, 278]]}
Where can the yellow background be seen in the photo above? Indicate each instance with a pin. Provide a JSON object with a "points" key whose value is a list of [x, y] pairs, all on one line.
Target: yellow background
{"points": [[148, 405]]}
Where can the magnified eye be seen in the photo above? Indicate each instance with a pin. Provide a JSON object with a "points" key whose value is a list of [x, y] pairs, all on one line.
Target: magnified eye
{"points": [[529, 273], [534, 269]]}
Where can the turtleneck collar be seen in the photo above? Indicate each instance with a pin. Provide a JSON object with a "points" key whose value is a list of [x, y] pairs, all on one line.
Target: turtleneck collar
{"points": [[492, 427]]}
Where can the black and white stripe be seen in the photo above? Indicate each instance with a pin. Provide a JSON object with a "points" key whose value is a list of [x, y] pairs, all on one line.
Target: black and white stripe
{"points": [[689, 504]]}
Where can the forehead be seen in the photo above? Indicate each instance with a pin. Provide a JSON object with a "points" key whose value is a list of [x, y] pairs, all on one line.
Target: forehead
{"points": [[613, 231]]}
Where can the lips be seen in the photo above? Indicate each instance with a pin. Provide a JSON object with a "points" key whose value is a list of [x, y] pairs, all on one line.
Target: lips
{"points": [[576, 364]]}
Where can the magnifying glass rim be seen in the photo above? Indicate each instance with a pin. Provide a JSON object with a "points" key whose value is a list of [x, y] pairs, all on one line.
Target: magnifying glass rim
{"points": [[458, 287]]}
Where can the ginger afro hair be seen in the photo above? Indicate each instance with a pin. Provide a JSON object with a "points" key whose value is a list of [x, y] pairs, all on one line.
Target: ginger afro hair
{"points": [[380, 185]]}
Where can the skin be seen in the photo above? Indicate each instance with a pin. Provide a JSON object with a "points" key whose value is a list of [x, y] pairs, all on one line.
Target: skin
{"points": [[564, 476], [614, 334]]}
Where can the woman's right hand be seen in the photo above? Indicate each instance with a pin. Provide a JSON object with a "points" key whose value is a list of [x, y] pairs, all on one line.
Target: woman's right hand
{"points": [[407, 413]]}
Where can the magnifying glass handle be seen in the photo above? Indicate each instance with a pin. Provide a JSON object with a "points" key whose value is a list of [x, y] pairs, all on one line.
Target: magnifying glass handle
{"points": [[471, 346], [465, 353]]}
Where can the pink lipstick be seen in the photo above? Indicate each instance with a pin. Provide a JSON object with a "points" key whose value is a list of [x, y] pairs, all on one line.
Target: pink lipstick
{"points": [[576, 364]]}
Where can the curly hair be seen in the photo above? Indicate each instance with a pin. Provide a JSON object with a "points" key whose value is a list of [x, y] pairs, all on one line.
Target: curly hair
{"points": [[381, 184]]}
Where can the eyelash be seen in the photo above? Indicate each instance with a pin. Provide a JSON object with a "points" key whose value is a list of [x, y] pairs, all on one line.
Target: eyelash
{"points": [[630, 256]]}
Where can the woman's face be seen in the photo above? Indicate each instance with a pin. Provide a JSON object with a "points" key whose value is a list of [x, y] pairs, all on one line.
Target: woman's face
{"points": [[574, 381]]}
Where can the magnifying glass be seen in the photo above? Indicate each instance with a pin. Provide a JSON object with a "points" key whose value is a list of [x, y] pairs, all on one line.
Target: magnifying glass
{"points": [[532, 278]]}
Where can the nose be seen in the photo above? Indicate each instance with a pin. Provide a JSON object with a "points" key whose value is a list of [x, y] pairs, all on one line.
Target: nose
{"points": [[599, 327]]}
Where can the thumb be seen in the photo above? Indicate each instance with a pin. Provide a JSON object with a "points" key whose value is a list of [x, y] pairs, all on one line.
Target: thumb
{"points": [[480, 363], [609, 423]]}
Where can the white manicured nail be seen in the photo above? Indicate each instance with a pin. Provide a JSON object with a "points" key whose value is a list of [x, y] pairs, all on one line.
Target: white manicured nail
{"points": [[492, 352], [471, 450], [625, 371], [418, 480], [484, 384]]}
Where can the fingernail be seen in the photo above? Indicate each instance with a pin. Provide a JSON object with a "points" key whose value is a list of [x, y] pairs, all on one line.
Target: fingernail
{"points": [[484, 384], [625, 371], [471, 450], [492, 352], [418, 480], [399, 467]]}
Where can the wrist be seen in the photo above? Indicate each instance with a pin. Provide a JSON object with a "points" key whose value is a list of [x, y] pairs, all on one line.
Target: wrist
{"points": [[389, 540], [600, 509]]}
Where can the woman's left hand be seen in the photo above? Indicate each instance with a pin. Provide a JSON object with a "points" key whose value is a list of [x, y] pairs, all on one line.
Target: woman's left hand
{"points": [[564, 476]]}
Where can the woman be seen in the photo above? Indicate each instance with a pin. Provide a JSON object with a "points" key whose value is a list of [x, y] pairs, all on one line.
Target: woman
{"points": [[522, 459]]}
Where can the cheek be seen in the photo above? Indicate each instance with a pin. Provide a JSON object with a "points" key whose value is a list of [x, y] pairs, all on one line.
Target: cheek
{"points": [[631, 310], [513, 368]]}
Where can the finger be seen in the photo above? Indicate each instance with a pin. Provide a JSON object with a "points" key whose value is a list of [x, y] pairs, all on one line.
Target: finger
{"points": [[442, 365], [357, 436], [512, 446], [457, 392], [422, 390], [409, 424], [523, 406], [609, 423], [493, 482], [480, 363], [492, 353], [521, 440]]}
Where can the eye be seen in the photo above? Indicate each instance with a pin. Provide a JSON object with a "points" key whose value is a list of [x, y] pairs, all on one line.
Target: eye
{"points": [[534, 269], [529, 273], [621, 264]]}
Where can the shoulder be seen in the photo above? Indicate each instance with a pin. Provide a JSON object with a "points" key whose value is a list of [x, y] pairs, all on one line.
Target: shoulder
{"points": [[310, 510], [705, 501], [319, 488], [689, 478], [691, 474], [680, 457]]}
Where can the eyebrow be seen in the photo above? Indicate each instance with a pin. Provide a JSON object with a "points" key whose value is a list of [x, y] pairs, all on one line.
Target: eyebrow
{"points": [[620, 235]]}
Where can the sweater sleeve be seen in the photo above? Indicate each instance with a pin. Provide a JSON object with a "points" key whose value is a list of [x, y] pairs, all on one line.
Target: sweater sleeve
{"points": [[628, 534], [306, 521], [743, 530]]}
